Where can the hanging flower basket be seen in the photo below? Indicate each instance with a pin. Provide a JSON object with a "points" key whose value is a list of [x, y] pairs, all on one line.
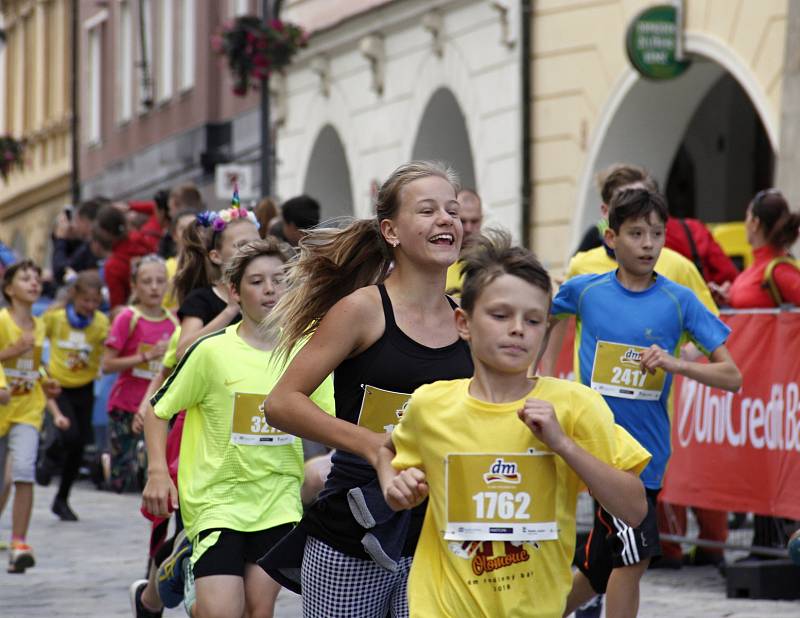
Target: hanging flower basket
{"points": [[11, 153], [255, 48]]}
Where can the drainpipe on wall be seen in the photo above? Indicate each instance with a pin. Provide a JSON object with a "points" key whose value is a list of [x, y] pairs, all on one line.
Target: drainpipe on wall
{"points": [[75, 176], [526, 200]]}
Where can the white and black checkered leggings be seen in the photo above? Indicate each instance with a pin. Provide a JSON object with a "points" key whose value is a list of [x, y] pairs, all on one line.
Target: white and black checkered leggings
{"points": [[336, 585]]}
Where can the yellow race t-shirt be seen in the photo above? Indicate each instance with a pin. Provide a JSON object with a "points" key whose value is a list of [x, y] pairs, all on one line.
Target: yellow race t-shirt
{"points": [[235, 470], [22, 374], [670, 264], [499, 532], [170, 301], [75, 353], [454, 279]]}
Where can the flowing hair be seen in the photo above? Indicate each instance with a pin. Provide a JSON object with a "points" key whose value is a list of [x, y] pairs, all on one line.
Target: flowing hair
{"points": [[195, 269], [334, 263]]}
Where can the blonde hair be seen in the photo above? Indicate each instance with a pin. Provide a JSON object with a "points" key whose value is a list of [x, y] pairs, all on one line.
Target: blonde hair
{"points": [[267, 247], [334, 263]]}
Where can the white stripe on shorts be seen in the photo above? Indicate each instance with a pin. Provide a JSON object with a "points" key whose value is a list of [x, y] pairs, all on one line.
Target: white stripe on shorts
{"points": [[630, 553]]}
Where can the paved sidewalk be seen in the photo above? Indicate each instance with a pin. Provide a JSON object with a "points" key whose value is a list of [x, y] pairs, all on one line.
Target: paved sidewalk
{"points": [[84, 570]]}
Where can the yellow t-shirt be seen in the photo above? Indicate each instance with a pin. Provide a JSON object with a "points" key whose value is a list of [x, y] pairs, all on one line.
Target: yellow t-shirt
{"points": [[170, 301], [75, 353], [670, 264], [235, 470], [454, 279], [487, 472], [22, 374]]}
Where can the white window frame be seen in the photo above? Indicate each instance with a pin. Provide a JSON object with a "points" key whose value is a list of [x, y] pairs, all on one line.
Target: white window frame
{"points": [[166, 50], [188, 40], [125, 75], [146, 7], [239, 7], [94, 99]]}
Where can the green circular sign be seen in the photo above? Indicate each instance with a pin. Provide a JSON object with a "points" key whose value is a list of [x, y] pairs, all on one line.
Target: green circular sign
{"points": [[651, 41]]}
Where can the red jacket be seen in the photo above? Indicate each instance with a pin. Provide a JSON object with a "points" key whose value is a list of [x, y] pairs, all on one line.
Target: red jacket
{"points": [[717, 266], [118, 265], [747, 291]]}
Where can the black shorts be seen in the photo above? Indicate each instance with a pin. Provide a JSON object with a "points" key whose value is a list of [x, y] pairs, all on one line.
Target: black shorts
{"points": [[612, 543], [233, 549]]}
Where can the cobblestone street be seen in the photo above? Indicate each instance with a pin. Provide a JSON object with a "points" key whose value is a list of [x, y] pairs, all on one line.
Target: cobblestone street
{"points": [[83, 570]]}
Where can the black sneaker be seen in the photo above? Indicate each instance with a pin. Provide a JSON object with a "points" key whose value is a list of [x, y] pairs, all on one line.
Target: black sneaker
{"points": [[139, 610], [61, 509]]}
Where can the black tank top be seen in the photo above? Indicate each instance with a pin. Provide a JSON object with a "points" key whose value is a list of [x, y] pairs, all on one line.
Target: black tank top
{"points": [[395, 363]]}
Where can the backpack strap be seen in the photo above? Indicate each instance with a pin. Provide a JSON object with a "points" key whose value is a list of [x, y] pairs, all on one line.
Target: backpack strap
{"points": [[692, 246], [138, 314], [768, 281]]}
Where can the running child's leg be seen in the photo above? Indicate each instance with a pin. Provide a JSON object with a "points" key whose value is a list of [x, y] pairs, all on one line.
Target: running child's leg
{"points": [[613, 560], [77, 405], [622, 592], [123, 450], [260, 592], [23, 446], [220, 596], [336, 585]]}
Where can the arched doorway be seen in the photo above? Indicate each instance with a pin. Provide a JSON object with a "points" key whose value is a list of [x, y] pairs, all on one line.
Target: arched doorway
{"points": [[700, 135], [328, 176], [443, 136], [724, 159]]}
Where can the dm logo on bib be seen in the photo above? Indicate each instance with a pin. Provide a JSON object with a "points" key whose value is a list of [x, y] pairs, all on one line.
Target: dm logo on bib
{"points": [[503, 472], [631, 357]]}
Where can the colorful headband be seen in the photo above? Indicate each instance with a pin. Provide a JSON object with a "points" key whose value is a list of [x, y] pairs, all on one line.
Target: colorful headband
{"points": [[218, 220]]}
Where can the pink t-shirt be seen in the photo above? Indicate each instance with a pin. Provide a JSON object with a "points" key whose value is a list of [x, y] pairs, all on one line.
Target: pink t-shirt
{"points": [[131, 384]]}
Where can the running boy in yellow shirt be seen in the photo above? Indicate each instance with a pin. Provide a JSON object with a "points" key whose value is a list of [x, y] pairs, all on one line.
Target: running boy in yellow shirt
{"points": [[21, 340], [503, 456]]}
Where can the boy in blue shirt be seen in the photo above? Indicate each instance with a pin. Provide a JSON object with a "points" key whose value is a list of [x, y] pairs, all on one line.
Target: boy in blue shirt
{"points": [[631, 324]]}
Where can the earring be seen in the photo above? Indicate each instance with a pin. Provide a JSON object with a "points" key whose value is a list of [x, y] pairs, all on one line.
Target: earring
{"points": [[395, 244]]}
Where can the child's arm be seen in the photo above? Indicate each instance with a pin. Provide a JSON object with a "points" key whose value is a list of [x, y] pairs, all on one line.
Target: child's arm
{"points": [[160, 496], [192, 327], [401, 489], [719, 372], [59, 420], [621, 493], [24, 344], [557, 333], [114, 363], [144, 406]]}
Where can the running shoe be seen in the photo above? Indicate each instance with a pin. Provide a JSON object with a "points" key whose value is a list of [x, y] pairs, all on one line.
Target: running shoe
{"points": [[188, 587], [20, 557], [591, 609], [139, 610], [170, 574]]}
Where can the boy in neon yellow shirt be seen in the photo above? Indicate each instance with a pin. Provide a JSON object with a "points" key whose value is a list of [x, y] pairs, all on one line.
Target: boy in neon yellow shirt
{"points": [[502, 457]]}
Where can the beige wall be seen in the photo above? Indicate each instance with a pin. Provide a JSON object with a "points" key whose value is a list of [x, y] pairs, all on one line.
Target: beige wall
{"points": [[37, 108], [579, 66]]}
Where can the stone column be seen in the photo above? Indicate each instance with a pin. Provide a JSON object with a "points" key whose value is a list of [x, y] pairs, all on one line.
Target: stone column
{"points": [[787, 177]]}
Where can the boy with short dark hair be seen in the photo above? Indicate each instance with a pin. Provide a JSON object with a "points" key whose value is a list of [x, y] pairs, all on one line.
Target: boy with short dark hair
{"points": [[21, 339], [631, 324], [503, 456]]}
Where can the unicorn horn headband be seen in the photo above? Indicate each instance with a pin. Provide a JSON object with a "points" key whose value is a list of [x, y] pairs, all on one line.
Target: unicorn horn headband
{"points": [[218, 220]]}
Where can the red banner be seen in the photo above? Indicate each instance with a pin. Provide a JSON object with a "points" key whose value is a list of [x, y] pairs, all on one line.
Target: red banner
{"points": [[739, 452]]}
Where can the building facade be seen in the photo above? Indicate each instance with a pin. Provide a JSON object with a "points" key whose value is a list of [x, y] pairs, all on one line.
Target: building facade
{"points": [[35, 74], [711, 137], [385, 81]]}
